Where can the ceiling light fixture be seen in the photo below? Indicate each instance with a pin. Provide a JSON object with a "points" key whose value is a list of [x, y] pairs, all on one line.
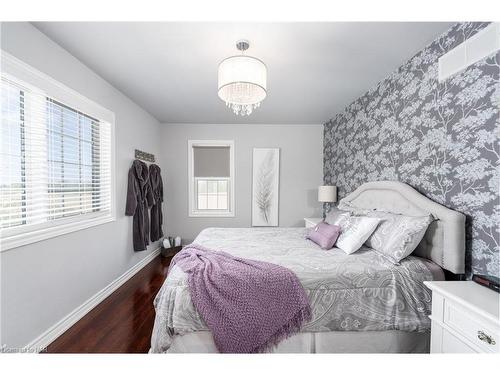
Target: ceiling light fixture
{"points": [[242, 81]]}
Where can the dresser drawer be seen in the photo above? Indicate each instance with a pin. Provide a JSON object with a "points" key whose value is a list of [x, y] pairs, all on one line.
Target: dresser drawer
{"points": [[467, 324]]}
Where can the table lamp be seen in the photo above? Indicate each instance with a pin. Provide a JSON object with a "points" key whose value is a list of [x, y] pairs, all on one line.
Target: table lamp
{"points": [[327, 195]]}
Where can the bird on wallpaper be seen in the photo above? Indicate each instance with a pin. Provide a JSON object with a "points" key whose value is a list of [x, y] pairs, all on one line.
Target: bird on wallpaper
{"points": [[265, 186]]}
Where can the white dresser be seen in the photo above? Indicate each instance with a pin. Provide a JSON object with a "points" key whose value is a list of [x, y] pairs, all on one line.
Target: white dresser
{"points": [[465, 318], [311, 221]]}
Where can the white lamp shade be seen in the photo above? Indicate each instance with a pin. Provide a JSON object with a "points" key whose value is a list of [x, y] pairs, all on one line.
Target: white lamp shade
{"points": [[327, 194], [242, 80]]}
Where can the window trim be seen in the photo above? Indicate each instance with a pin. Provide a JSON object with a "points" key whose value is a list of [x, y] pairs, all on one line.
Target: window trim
{"points": [[192, 211], [18, 70], [22, 239]]}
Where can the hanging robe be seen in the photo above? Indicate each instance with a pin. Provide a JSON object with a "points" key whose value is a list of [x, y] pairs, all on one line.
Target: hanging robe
{"points": [[156, 213], [139, 199]]}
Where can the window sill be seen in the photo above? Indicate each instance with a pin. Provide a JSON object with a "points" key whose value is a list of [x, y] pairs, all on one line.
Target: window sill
{"points": [[211, 214], [11, 242]]}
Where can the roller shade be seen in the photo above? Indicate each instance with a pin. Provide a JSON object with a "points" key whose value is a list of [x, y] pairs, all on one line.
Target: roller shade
{"points": [[211, 161]]}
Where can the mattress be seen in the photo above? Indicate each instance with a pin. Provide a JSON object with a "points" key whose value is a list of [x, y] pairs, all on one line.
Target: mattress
{"points": [[358, 292]]}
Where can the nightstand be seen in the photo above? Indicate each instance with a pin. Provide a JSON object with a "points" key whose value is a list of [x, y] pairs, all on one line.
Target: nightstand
{"points": [[465, 318], [311, 221]]}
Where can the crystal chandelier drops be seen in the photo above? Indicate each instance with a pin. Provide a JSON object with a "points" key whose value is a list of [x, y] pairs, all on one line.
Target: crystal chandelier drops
{"points": [[242, 109], [242, 83]]}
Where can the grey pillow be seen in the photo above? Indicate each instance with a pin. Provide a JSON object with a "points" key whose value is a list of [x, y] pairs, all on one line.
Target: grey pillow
{"points": [[397, 235]]}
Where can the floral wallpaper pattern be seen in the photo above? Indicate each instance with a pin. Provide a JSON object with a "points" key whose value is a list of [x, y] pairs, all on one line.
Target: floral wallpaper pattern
{"points": [[440, 138]]}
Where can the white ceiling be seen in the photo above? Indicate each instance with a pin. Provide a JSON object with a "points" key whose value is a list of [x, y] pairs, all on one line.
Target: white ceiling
{"points": [[314, 69]]}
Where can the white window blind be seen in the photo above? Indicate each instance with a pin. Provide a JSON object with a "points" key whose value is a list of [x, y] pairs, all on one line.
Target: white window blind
{"points": [[55, 165]]}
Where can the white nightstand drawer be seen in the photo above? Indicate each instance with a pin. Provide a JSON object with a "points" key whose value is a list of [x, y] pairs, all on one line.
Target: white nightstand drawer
{"points": [[451, 344], [471, 327], [465, 318]]}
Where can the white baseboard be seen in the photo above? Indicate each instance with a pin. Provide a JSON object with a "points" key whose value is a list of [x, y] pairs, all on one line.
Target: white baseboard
{"points": [[64, 324]]}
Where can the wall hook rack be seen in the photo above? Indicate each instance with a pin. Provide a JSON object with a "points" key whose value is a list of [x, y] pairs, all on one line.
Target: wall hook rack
{"points": [[141, 155]]}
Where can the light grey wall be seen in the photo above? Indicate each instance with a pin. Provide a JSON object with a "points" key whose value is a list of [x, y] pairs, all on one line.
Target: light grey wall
{"points": [[44, 281], [301, 163]]}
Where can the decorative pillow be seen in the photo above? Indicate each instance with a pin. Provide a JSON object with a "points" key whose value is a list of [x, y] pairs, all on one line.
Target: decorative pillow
{"points": [[398, 235], [347, 206], [335, 216], [324, 235], [355, 230]]}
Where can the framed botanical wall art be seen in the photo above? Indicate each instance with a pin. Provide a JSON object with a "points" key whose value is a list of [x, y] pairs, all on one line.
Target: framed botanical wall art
{"points": [[265, 189]]}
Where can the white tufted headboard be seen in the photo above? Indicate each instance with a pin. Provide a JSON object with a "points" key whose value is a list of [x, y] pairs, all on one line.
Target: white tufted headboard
{"points": [[444, 241]]}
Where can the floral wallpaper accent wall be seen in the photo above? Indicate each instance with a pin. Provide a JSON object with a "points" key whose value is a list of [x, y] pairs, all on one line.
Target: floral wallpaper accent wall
{"points": [[440, 138]]}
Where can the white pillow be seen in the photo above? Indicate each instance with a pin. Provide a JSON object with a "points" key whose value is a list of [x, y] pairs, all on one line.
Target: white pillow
{"points": [[355, 231]]}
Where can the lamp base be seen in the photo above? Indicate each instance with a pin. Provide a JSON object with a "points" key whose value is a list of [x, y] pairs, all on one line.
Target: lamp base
{"points": [[327, 206]]}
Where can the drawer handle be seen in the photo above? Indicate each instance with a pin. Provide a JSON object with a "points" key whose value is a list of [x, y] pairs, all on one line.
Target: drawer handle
{"points": [[484, 337]]}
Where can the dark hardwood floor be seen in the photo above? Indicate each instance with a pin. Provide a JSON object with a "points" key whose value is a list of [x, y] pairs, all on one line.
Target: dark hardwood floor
{"points": [[123, 322]]}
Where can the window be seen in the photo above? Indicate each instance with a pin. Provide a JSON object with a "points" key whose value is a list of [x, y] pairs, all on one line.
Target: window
{"points": [[211, 193], [74, 168], [211, 178], [55, 158]]}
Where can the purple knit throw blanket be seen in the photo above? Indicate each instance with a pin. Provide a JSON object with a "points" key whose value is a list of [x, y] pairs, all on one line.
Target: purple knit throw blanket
{"points": [[248, 305]]}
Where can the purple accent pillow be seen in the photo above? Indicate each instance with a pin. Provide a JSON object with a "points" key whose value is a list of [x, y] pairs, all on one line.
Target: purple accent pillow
{"points": [[323, 234]]}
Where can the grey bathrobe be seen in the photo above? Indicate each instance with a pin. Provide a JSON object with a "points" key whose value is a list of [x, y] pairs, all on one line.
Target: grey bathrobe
{"points": [[139, 199], [156, 214]]}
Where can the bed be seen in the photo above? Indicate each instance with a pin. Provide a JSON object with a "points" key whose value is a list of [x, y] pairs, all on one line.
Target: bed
{"points": [[360, 302]]}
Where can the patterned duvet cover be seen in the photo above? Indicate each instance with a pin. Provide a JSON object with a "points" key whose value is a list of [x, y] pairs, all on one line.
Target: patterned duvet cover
{"points": [[358, 292]]}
